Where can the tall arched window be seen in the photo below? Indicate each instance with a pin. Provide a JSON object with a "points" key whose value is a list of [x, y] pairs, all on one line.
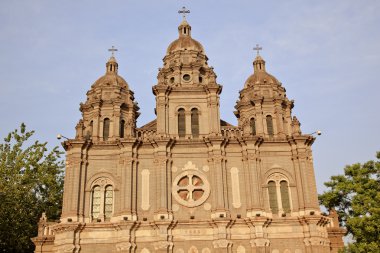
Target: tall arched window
{"points": [[108, 201], [272, 196], [102, 201], [96, 200], [253, 126], [121, 130], [194, 122], [285, 196], [269, 125], [181, 123], [106, 129]]}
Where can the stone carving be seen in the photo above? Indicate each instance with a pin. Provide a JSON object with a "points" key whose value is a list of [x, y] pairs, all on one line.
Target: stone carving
{"points": [[222, 243], [189, 166], [260, 242], [190, 188], [235, 187], [162, 245], [193, 249], [145, 250], [205, 168], [145, 189], [123, 246]]}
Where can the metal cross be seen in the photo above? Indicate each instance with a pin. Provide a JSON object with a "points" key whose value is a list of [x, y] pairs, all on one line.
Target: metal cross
{"points": [[257, 48], [184, 11], [113, 50]]}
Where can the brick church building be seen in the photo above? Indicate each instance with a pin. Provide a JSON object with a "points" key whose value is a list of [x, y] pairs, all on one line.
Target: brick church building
{"points": [[189, 181]]}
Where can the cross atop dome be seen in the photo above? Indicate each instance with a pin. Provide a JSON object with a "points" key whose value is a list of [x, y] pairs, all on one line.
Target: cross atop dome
{"points": [[184, 11], [112, 50], [258, 48]]}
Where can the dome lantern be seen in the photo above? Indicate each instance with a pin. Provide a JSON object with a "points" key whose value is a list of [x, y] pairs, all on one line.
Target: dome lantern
{"points": [[112, 65]]}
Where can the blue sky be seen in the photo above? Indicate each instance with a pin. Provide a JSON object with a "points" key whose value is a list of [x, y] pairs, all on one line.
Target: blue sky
{"points": [[326, 54]]}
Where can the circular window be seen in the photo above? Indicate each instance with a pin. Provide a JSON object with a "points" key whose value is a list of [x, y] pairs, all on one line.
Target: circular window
{"points": [[186, 77], [190, 188]]}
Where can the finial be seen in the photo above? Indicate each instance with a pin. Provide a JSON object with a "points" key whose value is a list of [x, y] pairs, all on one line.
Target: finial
{"points": [[258, 48], [184, 11], [113, 50]]}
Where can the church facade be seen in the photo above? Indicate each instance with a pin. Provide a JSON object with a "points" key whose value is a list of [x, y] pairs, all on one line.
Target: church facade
{"points": [[189, 181]]}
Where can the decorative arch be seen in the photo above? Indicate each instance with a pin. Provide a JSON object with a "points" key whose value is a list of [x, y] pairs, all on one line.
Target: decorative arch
{"points": [[96, 178], [277, 169]]}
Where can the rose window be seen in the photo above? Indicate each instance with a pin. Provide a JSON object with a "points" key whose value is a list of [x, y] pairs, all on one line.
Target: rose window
{"points": [[190, 188]]}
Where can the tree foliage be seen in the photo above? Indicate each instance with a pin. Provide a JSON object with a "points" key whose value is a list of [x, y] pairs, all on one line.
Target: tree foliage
{"points": [[31, 182], [356, 197]]}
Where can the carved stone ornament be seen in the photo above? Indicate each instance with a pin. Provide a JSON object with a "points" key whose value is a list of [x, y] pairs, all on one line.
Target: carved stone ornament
{"points": [[223, 243], [123, 246], [191, 188], [260, 242], [162, 245]]}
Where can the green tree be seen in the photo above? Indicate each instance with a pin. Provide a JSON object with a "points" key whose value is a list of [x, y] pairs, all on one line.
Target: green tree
{"points": [[356, 197], [31, 182]]}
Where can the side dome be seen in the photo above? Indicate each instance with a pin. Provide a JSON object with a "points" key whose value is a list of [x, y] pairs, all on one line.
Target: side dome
{"points": [[111, 78], [185, 41], [259, 76]]}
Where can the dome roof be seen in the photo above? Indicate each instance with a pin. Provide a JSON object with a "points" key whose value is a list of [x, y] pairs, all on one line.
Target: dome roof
{"points": [[185, 41], [112, 79], [260, 75]]}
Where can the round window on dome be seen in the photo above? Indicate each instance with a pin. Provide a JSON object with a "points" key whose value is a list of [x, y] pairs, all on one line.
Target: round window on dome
{"points": [[186, 77]]}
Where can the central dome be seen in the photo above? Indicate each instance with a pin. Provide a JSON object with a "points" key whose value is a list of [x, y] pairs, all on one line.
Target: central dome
{"points": [[185, 41]]}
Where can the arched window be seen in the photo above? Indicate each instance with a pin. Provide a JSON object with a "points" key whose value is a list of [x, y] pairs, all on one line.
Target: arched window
{"points": [[181, 123], [96, 200], [121, 130], [280, 201], [102, 202], [253, 126], [285, 196], [108, 202], [269, 125], [194, 122], [106, 129], [273, 196]]}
